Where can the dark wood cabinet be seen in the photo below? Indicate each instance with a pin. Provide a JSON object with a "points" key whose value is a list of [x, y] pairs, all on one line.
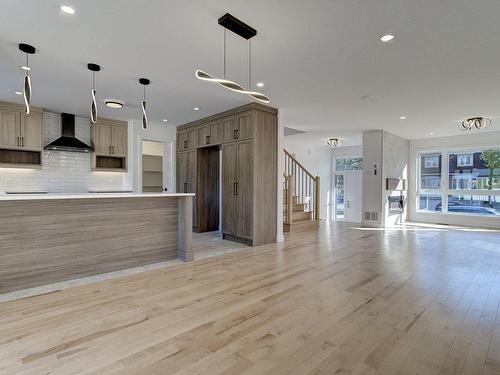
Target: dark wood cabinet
{"points": [[244, 190], [229, 178]]}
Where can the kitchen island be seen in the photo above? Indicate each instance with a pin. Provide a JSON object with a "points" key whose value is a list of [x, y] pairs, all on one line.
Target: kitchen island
{"points": [[49, 238]]}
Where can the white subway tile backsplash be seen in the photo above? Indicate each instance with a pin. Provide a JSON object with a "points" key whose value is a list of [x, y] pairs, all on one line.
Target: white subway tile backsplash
{"points": [[62, 172]]}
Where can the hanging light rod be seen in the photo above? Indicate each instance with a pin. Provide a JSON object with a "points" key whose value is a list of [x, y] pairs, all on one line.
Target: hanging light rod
{"points": [[144, 82], [93, 105], [28, 50], [231, 23]]}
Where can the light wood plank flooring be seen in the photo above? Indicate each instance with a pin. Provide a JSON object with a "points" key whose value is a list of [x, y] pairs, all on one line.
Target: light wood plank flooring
{"points": [[340, 300]]}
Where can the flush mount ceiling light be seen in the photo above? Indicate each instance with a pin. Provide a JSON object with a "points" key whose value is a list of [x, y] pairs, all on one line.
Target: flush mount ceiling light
{"points": [[333, 142], [93, 105], [28, 50], [387, 38], [114, 103], [196, 108], [67, 9], [367, 98], [144, 82], [260, 84], [475, 122], [240, 28], [402, 117], [164, 120]]}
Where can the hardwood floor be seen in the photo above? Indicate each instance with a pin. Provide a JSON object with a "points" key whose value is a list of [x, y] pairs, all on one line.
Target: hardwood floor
{"points": [[340, 300]]}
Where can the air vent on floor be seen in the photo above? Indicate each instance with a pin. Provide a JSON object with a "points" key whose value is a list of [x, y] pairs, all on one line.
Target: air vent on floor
{"points": [[374, 216], [367, 216]]}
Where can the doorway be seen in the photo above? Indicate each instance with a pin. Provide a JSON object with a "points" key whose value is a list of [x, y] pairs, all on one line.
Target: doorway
{"points": [[348, 196], [152, 166]]}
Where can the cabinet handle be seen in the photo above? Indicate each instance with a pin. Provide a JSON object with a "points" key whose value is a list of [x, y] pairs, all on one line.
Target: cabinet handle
{"points": [[113, 149], [110, 150], [18, 142], [236, 188], [185, 144], [185, 187], [22, 141], [237, 133], [207, 139], [234, 134]]}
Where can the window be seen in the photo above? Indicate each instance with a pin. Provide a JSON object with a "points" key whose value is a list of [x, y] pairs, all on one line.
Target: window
{"points": [[348, 164], [467, 184], [431, 161], [465, 160]]}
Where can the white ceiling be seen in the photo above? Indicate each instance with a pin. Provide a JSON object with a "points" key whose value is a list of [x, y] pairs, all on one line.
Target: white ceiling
{"points": [[317, 59]]}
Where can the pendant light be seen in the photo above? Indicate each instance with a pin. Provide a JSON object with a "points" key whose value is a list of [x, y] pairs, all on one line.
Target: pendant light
{"points": [[240, 28], [28, 50], [93, 106], [144, 82]]}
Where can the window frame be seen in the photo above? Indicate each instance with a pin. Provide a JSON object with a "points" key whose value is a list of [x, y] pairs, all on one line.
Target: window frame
{"points": [[445, 190], [471, 164], [431, 157]]}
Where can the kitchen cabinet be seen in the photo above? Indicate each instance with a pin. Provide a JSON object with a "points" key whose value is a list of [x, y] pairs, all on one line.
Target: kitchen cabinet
{"points": [[20, 136], [110, 142], [248, 176], [186, 176], [187, 140]]}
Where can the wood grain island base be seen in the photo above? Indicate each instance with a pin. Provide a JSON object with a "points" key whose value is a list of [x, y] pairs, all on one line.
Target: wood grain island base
{"points": [[52, 238]]}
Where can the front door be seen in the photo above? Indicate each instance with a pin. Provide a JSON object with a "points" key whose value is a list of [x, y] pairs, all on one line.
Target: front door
{"points": [[353, 190]]}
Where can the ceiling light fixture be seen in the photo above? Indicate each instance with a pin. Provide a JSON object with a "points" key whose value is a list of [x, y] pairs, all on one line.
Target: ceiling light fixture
{"points": [[387, 38], [18, 92], [93, 105], [67, 9], [240, 28], [367, 98], [28, 50], [475, 122], [196, 108], [431, 133], [334, 142], [144, 82], [164, 120], [24, 67], [260, 84], [402, 118], [114, 103]]}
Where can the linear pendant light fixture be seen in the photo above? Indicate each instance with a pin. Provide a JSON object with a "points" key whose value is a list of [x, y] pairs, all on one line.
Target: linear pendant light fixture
{"points": [[240, 28], [144, 82], [93, 105], [28, 50]]}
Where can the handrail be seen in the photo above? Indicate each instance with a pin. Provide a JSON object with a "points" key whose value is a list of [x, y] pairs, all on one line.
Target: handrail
{"points": [[300, 165]]}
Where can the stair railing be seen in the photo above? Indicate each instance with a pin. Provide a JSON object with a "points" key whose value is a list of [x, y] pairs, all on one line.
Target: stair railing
{"points": [[300, 187]]}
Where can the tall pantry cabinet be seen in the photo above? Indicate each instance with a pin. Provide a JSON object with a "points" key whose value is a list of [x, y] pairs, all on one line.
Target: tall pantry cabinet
{"points": [[247, 141]]}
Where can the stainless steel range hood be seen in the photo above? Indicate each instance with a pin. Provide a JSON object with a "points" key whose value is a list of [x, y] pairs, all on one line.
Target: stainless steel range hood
{"points": [[68, 142]]}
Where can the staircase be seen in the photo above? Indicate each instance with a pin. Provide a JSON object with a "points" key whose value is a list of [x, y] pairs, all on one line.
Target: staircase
{"points": [[300, 196]]}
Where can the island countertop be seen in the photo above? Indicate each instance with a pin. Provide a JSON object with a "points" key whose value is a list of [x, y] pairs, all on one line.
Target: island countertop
{"points": [[22, 197]]}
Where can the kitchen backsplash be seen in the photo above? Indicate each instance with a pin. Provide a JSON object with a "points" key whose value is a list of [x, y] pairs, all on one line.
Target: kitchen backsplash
{"points": [[62, 172]]}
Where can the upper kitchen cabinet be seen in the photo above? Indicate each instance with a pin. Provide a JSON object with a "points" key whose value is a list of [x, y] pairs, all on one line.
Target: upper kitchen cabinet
{"points": [[110, 142], [238, 127], [209, 134], [187, 140], [20, 136]]}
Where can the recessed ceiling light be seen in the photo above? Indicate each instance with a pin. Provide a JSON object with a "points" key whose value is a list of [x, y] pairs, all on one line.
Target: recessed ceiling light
{"points": [[432, 133], [260, 84], [113, 103], [367, 98], [164, 120], [24, 67], [387, 38], [67, 9], [18, 92], [196, 108], [402, 118]]}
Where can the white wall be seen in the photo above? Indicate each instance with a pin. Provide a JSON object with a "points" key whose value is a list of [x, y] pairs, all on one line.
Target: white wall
{"points": [[156, 132], [468, 140], [61, 172], [316, 157], [372, 177]]}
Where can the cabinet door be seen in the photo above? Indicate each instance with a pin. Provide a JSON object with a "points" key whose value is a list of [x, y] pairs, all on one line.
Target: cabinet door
{"points": [[229, 164], [245, 126], [215, 133], [10, 129], [192, 138], [103, 139], [191, 182], [31, 132], [229, 129], [182, 141], [203, 135], [119, 141], [182, 172], [244, 190]]}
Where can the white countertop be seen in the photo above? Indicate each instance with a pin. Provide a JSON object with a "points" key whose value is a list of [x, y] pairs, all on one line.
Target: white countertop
{"points": [[27, 197]]}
